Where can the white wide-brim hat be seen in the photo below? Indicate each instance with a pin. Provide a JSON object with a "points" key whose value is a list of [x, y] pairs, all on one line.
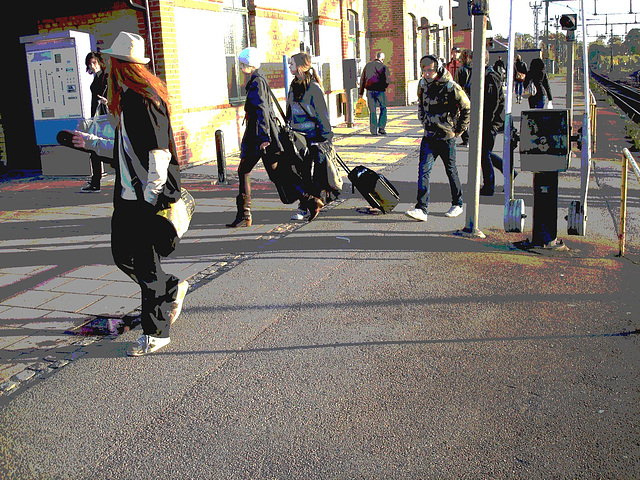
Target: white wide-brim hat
{"points": [[128, 47], [251, 56]]}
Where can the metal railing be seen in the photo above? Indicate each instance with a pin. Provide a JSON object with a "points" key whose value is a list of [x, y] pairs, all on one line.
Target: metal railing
{"points": [[627, 160]]}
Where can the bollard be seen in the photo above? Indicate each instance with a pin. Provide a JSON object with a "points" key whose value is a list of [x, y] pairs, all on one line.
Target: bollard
{"points": [[221, 159], [545, 208]]}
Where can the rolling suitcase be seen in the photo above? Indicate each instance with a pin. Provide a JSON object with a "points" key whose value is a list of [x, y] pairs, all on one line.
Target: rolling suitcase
{"points": [[375, 188]]}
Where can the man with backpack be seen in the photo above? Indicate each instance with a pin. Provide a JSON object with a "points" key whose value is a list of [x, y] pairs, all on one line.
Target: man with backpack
{"points": [[375, 78]]}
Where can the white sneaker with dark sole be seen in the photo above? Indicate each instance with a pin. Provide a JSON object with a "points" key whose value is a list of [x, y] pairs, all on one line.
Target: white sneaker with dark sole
{"points": [[416, 214], [454, 211], [146, 344]]}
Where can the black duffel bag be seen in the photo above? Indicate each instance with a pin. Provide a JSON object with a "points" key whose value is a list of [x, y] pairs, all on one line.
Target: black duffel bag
{"points": [[286, 166]]}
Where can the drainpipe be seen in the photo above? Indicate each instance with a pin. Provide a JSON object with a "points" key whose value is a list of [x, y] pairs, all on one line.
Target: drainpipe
{"points": [[147, 18]]}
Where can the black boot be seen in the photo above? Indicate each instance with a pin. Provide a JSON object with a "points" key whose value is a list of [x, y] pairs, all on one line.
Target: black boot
{"points": [[243, 217]]}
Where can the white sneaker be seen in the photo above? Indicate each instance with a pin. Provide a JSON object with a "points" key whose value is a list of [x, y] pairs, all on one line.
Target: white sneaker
{"points": [[417, 214], [176, 305], [146, 344], [454, 211], [300, 215]]}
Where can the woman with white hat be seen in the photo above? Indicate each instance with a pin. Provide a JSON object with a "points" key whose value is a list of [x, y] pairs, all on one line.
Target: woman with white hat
{"points": [[147, 180]]}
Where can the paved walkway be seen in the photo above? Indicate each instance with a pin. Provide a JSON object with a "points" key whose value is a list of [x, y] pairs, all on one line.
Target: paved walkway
{"points": [[60, 291]]}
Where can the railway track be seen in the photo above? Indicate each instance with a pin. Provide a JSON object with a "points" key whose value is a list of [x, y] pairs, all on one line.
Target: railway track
{"points": [[627, 98]]}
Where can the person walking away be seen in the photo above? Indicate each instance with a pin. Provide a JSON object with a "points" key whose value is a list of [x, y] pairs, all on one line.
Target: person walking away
{"points": [[444, 110], [500, 68], [455, 63], [519, 74], [464, 80], [375, 79], [96, 67], [147, 180], [493, 122], [257, 135], [308, 114], [537, 77]]}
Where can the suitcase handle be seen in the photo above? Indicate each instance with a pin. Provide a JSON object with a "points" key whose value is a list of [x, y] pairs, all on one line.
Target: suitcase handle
{"points": [[342, 164]]}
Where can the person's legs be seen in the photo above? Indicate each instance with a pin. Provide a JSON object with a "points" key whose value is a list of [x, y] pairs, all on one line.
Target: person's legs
{"points": [[96, 170], [134, 253], [427, 159], [243, 200], [373, 118], [382, 120], [448, 155], [488, 176]]}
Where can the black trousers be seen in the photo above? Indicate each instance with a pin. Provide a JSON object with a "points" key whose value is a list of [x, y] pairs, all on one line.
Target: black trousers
{"points": [[96, 169], [132, 246]]}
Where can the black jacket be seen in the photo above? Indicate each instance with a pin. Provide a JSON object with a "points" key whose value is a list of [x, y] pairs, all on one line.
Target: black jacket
{"points": [[260, 120], [493, 116], [99, 87], [149, 128], [375, 77], [541, 82]]}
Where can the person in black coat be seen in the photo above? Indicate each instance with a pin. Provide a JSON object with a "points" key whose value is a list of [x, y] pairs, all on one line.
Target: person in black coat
{"points": [[492, 123], [537, 77], [144, 156], [519, 73], [96, 66], [257, 134]]}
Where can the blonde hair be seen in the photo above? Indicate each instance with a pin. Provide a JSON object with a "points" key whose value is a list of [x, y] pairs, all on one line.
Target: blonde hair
{"points": [[138, 78]]}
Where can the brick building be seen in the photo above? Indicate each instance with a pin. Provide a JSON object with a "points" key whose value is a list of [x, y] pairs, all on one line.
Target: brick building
{"points": [[195, 44]]}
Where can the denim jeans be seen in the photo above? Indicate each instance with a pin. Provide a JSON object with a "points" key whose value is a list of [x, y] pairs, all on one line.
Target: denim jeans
{"points": [[489, 160], [430, 149], [519, 88], [377, 99]]}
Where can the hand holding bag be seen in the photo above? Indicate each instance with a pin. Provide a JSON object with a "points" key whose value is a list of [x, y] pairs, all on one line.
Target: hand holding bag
{"points": [[362, 109]]}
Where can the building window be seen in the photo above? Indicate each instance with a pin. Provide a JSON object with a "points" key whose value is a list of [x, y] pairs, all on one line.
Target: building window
{"points": [[236, 39], [307, 31], [353, 47], [424, 34], [413, 48]]}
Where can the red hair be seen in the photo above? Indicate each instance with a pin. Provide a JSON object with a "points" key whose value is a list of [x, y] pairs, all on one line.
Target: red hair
{"points": [[138, 78]]}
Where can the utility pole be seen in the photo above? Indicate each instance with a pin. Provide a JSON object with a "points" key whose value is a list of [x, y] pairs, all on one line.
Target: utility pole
{"points": [[480, 10], [536, 11], [611, 42], [546, 35]]}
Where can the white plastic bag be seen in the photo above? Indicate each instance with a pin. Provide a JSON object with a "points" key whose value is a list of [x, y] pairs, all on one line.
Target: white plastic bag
{"points": [[549, 105]]}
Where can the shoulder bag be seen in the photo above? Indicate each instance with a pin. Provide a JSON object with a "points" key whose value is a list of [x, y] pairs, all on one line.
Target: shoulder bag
{"points": [[174, 218], [334, 179]]}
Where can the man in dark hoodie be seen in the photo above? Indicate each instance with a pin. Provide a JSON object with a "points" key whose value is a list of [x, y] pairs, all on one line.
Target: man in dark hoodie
{"points": [[375, 78], [444, 110]]}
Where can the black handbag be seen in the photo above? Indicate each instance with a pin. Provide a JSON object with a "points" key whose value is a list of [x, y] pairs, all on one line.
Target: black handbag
{"points": [[171, 220]]}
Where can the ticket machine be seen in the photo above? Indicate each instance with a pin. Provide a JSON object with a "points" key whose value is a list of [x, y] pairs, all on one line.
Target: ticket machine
{"points": [[60, 95], [545, 149]]}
